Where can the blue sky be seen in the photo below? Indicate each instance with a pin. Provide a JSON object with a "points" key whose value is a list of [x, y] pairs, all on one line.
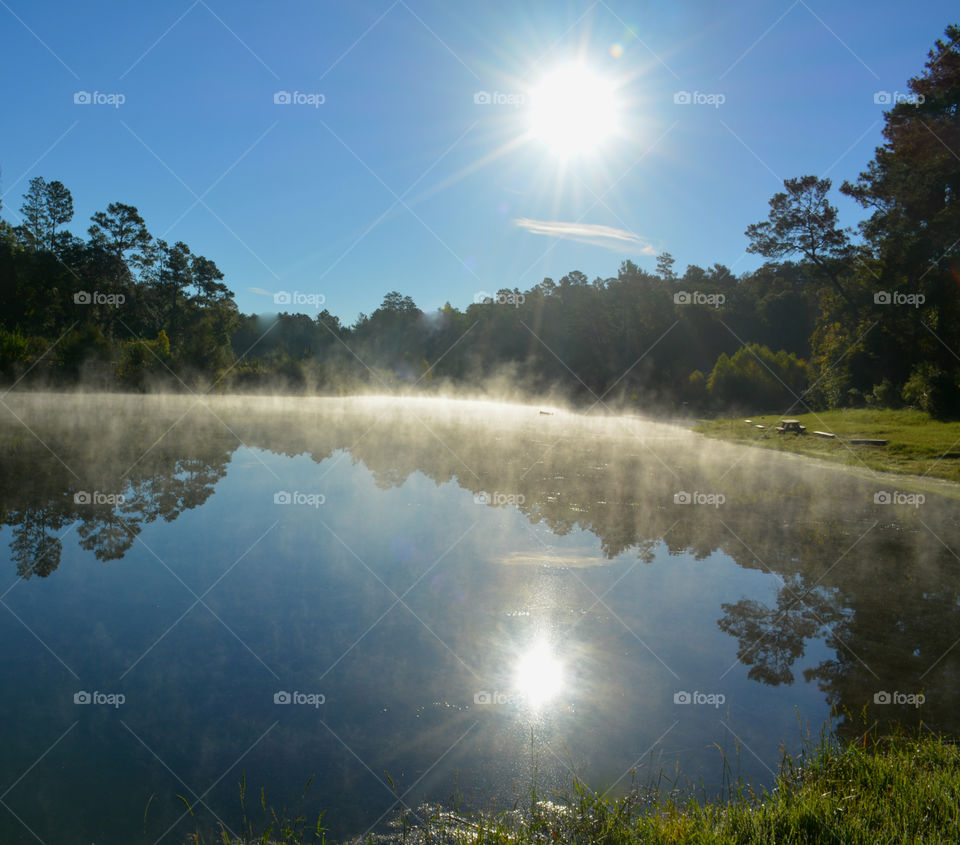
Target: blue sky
{"points": [[399, 179]]}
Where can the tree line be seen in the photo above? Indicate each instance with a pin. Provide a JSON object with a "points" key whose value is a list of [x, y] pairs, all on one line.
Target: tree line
{"points": [[834, 318]]}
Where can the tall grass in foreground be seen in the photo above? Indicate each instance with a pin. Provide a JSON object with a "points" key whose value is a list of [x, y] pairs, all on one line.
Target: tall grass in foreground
{"points": [[894, 788]]}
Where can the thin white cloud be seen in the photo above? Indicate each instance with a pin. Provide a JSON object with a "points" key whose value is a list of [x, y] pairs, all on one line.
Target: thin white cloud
{"points": [[261, 291], [589, 233]]}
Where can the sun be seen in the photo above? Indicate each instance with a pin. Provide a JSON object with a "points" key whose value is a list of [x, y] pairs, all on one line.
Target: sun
{"points": [[574, 110]]}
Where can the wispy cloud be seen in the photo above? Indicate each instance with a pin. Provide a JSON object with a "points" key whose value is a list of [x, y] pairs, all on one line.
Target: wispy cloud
{"points": [[261, 291], [588, 233]]}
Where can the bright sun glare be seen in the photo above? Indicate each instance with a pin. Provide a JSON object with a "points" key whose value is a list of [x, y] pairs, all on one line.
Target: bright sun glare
{"points": [[538, 676], [574, 110]]}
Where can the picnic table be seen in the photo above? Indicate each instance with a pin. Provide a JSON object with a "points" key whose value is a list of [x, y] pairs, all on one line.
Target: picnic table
{"points": [[792, 426]]}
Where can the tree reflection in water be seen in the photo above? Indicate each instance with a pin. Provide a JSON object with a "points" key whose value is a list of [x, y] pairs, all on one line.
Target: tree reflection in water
{"points": [[878, 585]]}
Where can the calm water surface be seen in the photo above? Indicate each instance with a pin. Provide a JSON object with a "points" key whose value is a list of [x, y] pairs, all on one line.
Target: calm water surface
{"points": [[454, 594]]}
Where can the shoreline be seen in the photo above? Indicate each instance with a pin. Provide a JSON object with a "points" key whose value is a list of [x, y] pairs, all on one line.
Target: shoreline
{"points": [[941, 473], [919, 483]]}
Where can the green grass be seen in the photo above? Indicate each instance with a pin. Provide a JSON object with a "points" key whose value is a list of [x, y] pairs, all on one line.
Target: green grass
{"points": [[918, 445], [883, 790]]}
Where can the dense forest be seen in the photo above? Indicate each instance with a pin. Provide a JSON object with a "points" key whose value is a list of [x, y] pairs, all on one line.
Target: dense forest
{"points": [[834, 318]]}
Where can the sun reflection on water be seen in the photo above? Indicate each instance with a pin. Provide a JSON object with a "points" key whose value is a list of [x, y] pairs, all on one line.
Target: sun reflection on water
{"points": [[539, 676]]}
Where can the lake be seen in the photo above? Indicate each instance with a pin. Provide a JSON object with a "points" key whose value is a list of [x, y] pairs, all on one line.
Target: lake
{"points": [[426, 598]]}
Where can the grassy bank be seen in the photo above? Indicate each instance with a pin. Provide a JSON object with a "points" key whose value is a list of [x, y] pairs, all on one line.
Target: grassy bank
{"points": [[917, 444], [885, 790]]}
